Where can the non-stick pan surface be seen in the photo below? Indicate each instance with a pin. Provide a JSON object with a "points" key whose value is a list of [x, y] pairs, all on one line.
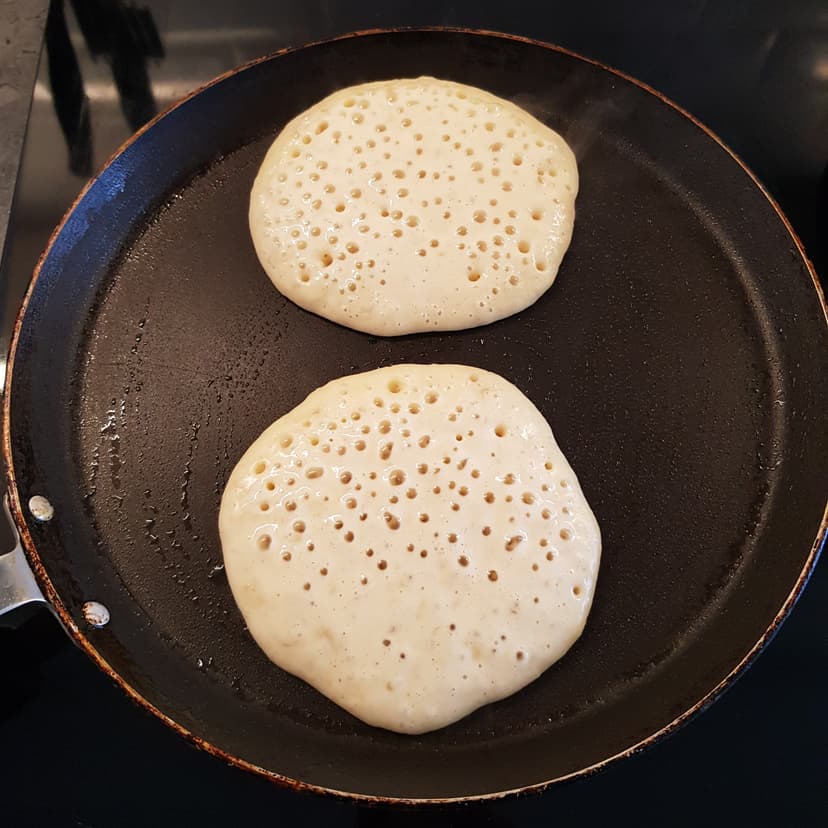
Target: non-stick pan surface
{"points": [[680, 358]]}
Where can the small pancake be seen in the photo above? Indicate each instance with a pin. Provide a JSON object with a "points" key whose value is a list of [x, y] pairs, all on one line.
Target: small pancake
{"points": [[412, 542], [414, 205]]}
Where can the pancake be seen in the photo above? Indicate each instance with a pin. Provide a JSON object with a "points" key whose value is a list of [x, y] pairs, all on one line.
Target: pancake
{"points": [[412, 542], [414, 205]]}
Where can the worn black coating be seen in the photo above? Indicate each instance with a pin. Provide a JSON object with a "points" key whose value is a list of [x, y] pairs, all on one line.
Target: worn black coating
{"points": [[680, 357]]}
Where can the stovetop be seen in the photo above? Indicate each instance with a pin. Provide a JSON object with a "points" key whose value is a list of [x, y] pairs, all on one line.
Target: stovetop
{"points": [[75, 751]]}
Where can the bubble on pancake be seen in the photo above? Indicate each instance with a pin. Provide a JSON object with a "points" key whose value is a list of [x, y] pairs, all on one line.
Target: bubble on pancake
{"points": [[414, 205], [412, 542]]}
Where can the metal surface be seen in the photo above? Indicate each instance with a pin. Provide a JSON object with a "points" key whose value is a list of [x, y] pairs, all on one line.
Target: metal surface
{"points": [[18, 587], [95, 614], [21, 31], [692, 593], [41, 509]]}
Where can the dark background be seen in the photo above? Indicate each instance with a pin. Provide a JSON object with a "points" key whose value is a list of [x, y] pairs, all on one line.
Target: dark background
{"points": [[75, 751]]}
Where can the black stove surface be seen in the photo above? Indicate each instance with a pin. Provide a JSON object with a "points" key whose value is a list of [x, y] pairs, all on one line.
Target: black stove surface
{"points": [[75, 750]]}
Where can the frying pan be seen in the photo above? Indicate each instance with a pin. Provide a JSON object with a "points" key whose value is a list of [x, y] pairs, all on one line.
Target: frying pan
{"points": [[681, 358]]}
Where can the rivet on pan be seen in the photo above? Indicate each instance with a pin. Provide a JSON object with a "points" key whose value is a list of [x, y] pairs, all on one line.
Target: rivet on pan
{"points": [[96, 615], [41, 509]]}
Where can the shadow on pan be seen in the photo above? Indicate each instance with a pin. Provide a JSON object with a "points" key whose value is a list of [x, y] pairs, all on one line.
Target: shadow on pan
{"points": [[681, 358]]}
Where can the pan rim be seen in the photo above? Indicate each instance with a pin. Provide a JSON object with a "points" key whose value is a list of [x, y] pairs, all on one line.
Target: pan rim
{"points": [[84, 643]]}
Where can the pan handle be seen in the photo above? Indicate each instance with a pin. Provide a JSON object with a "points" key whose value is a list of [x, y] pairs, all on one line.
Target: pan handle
{"points": [[17, 583]]}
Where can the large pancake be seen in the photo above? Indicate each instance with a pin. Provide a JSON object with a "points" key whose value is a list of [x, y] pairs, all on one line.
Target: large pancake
{"points": [[412, 542], [414, 205]]}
